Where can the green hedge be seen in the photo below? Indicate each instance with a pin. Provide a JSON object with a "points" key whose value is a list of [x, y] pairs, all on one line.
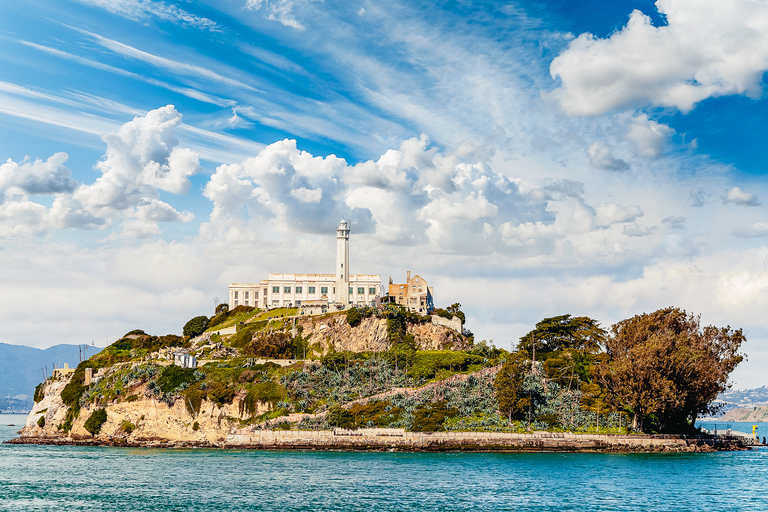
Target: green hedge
{"points": [[95, 421]]}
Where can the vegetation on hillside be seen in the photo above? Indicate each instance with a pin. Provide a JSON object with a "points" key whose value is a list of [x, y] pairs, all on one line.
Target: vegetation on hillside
{"points": [[652, 373]]}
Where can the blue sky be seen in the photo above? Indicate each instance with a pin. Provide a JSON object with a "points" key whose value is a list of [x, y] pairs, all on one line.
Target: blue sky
{"points": [[527, 158]]}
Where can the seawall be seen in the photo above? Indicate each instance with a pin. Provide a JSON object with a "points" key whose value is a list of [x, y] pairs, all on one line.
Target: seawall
{"points": [[399, 440]]}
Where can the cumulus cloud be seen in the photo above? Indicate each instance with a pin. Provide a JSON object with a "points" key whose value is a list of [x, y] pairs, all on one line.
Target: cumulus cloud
{"points": [[758, 229], [736, 195], [38, 178], [647, 136], [600, 157], [142, 159], [708, 48]]}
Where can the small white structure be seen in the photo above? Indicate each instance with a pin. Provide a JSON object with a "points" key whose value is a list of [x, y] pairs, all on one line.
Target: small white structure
{"points": [[184, 360]]}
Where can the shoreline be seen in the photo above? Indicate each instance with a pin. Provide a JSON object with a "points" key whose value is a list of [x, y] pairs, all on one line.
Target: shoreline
{"points": [[401, 441]]}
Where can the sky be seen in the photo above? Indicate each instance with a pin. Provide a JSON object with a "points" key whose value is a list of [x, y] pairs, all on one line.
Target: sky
{"points": [[529, 159]]}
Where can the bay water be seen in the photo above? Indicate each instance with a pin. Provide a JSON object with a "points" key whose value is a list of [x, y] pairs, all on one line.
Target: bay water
{"points": [[36, 478]]}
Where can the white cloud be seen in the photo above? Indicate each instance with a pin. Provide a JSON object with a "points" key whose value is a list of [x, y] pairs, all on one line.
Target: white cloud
{"points": [[635, 229], [278, 10], [608, 214], [708, 48], [647, 137], [143, 10], [142, 159], [756, 230], [600, 157], [674, 222], [736, 195], [307, 195], [37, 178]]}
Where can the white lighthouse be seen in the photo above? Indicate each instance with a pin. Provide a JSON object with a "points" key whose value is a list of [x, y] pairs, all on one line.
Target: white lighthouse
{"points": [[342, 262]]}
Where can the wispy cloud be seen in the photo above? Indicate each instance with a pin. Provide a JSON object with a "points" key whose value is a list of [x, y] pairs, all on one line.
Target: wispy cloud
{"points": [[144, 10]]}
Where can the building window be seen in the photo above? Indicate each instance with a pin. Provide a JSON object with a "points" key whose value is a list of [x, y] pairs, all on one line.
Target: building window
{"points": [[311, 290], [298, 289], [371, 291], [246, 296], [350, 290], [275, 302], [413, 288], [324, 290], [275, 289], [286, 289], [235, 303], [256, 295], [236, 295], [360, 290]]}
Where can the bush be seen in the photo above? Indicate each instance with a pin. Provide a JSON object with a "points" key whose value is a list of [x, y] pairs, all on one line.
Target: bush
{"points": [[353, 317], [173, 376], [427, 363], [196, 326], [222, 395], [222, 308], [277, 345], [127, 427], [243, 336], [430, 417], [41, 422], [95, 421], [135, 331], [340, 417], [39, 392], [195, 426]]}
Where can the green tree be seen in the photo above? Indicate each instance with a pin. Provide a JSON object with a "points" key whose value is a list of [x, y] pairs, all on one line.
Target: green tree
{"points": [[509, 386], [95, 421], [666, 369], [564, 332], [196, 326]]}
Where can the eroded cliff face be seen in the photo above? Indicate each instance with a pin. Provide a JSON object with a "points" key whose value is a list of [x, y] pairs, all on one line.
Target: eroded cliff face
{"points": [[151, 419], [370, 335]]}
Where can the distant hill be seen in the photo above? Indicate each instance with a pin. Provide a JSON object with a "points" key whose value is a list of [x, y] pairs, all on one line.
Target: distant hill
{"points": [[749, 404], [20, 370]]}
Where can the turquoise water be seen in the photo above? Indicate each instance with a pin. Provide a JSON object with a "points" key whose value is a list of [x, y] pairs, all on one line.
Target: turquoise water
{"points": [[36, 478]]}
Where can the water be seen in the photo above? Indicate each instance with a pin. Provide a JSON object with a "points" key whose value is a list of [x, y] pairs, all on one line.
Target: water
{"points": [[36, 478]]}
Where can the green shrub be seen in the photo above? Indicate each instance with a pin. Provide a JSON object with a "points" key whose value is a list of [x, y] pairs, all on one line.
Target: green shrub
{"points": [[353, 317], [39, 392], [222, 395], [244, 336], [127, 427], [173, 376], [95, 421], [41, 422], [195, 426], [340, 417], [196, 326], [132, 398], [427, 363], [193, 399], [135, 331], [264, 392], [430, 417]]}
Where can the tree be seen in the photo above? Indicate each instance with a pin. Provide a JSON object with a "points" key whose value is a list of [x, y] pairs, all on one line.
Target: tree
{"points": [[509, 386], [196, 326], [564, 332], [666, 370]]}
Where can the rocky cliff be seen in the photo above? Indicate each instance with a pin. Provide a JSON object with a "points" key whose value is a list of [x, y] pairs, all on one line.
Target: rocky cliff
{"points": [[372, 335]]}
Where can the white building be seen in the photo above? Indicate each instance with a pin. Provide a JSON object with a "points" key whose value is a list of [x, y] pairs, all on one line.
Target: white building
{"points": [[294, 290]]}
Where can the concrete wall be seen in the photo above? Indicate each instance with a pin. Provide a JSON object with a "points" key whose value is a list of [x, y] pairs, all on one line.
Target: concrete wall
{"points": [[444, 441]]}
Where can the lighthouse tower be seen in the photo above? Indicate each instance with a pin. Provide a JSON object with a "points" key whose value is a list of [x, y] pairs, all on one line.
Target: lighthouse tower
{"points": [[342, 262]]}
